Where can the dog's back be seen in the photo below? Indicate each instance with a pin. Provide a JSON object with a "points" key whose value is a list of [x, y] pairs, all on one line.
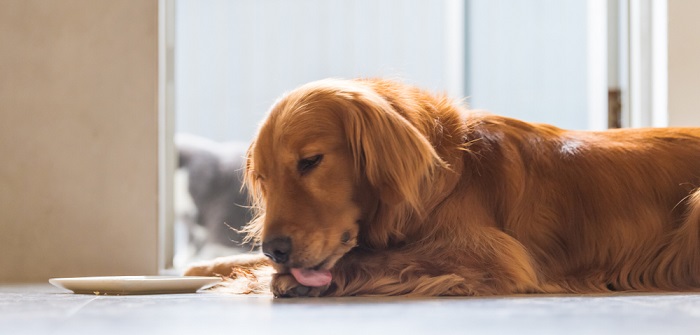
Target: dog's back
{"points": [[620, 204]]}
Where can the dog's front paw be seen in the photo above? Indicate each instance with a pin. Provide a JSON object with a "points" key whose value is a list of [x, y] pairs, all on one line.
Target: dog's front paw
{"points": [[201, 269], [223, 266], [284, 285]]}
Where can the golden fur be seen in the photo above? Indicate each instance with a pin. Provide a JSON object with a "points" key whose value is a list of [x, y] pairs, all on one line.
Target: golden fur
{"points": [[438, 200]]}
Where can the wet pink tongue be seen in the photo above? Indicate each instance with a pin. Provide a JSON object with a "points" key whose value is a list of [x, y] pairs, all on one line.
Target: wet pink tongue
{"points": [[312, 278]]}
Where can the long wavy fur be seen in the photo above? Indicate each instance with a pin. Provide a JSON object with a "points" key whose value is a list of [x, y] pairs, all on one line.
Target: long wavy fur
{"points": [[469, 203]]}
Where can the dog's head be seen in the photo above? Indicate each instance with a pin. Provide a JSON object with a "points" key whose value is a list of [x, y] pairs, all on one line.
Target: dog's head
{"points": [[329, 154]]}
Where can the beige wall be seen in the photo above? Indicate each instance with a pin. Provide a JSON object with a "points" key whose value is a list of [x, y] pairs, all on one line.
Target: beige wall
{"points": [[78, 138], [683, 63]]}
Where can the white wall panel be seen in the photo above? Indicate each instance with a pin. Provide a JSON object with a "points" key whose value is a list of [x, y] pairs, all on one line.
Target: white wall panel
{"points": [[234, 58]]}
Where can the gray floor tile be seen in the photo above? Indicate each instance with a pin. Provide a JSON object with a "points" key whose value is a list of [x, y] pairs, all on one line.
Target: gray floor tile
{"points": [[42, 309]]}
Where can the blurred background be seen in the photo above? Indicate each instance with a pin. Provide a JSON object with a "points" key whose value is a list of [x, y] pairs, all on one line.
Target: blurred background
{"points": [[232, 59]]}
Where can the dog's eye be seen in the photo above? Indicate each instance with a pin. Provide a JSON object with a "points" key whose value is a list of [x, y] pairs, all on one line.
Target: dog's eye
{"points": [[307, 164], [345, 237]]}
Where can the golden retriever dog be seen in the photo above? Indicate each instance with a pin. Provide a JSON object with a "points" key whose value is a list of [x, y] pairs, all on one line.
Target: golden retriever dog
{"points": [[374, 187]]}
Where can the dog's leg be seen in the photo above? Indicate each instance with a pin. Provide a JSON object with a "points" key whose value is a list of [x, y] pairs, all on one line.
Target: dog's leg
{"points": [[407, 272], [411, 272], [222, 266], [492, 263], [678, 264], [382, 273]]}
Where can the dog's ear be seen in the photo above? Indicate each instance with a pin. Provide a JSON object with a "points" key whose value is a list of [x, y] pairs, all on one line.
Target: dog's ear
{"points": [[393, 154]]}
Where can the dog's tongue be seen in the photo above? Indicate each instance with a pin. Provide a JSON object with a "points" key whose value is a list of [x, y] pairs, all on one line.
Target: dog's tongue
{"points": [[313, 278]]}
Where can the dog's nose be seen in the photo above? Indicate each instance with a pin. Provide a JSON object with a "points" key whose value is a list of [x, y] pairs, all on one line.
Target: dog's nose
{"points": [[278, 249]]}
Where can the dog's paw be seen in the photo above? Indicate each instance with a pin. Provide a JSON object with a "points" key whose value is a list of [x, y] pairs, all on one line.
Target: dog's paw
{"points": [[284, 285], [201, 269], [223, 266]]}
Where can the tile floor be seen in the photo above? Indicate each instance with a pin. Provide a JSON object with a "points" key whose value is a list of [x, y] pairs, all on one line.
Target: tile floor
{"points": [[43, 309]]}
